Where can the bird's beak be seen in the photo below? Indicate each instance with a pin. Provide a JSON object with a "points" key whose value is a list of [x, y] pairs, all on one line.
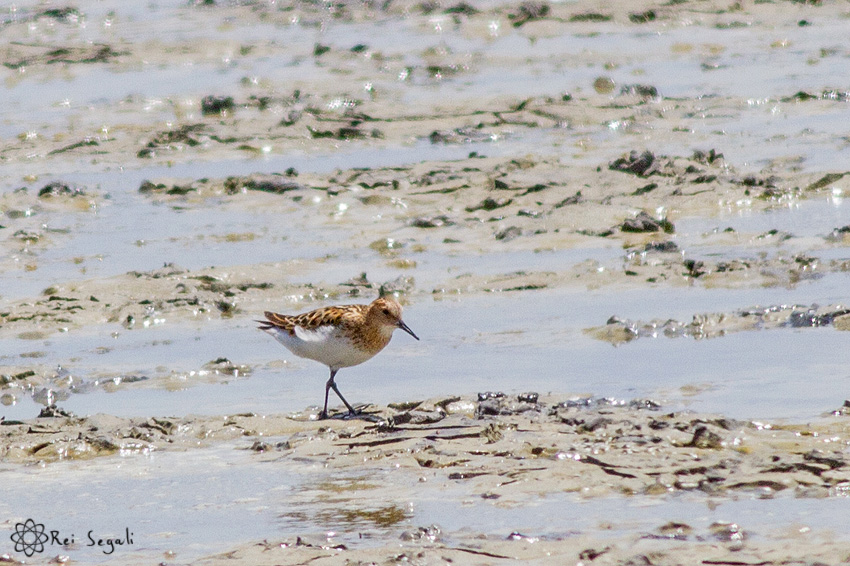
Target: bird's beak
{"points": [[404, 327]]}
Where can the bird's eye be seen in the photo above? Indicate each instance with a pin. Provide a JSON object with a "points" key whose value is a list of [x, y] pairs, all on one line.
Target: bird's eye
{"points": [[387, 312]]}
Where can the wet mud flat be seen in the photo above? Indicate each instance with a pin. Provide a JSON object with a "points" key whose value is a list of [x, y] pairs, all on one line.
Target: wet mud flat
{"points": [[593, 174], [496, 454]]}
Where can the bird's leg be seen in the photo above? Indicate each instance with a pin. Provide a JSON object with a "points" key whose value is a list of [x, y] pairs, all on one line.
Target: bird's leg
{"points": [[330, 382], [332, 385], [350, 408]]}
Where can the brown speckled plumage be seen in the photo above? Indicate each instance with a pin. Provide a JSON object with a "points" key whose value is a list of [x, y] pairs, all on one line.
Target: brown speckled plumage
{"points": [[338, 336], [346, 317], [367, 331]]}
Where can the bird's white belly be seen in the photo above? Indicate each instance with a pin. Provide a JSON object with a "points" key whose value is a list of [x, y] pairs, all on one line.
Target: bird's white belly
{"points": [[325, 344]]}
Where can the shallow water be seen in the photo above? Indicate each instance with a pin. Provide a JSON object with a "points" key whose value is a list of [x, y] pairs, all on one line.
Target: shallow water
{"points": [[156, 498], [469, 346], [512, 342], [798, 218]]}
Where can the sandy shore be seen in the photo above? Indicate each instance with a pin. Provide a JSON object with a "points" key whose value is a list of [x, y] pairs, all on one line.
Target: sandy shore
{"points": [[549, 128], [511, 451]]}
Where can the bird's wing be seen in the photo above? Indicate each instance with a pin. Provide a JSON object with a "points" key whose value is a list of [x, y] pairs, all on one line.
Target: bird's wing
{"points": [[315, 334], [275, 320]]}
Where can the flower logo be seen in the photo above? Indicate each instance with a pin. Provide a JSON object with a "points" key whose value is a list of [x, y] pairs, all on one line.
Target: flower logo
{"points": [[29, 537]]}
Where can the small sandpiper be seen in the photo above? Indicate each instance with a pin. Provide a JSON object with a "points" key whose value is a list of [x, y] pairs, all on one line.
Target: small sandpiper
{"points": [[339, 337]]}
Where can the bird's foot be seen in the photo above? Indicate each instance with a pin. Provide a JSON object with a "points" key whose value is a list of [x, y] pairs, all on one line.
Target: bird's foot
{"points": [[351, 414]]}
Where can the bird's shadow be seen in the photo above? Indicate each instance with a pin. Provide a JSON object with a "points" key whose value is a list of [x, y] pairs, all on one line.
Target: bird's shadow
{"points": [[360, 415]]}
